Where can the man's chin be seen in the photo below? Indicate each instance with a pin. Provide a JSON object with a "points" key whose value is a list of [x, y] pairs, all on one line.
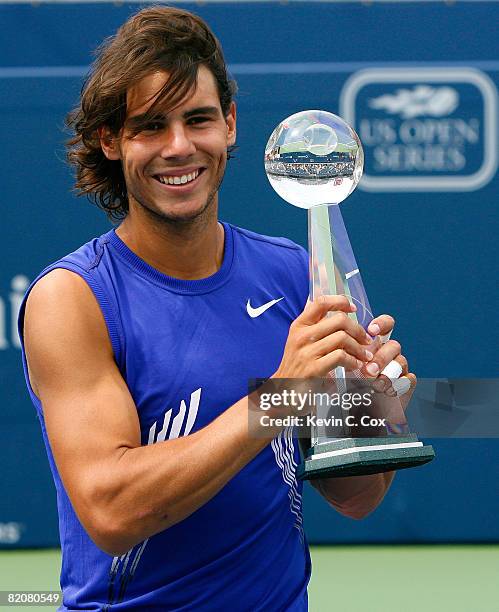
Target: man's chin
{"points": [[182, 217], [178, 215]]}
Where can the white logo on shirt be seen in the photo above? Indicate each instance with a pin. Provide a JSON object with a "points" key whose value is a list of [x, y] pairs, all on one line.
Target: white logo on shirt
{"points": [[184, 415], [256, 312]]}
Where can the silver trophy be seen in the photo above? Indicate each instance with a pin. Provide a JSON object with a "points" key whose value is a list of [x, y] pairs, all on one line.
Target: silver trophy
{"points": [[314, 160]]}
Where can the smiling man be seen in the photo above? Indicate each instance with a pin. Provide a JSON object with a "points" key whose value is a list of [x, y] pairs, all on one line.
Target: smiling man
{"points": [[138, 348], [172, 183]]}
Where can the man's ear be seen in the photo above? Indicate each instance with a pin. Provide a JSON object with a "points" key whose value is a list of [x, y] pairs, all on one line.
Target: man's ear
{"points": [[231, 125], [109, 143]]}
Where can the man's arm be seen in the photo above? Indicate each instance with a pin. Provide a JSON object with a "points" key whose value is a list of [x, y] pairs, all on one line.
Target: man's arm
{"points": [[355, 496], [121, 491]]}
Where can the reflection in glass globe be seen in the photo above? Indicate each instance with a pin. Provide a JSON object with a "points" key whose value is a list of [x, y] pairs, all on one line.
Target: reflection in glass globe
{"points": [[320, 139], [314, 158]]}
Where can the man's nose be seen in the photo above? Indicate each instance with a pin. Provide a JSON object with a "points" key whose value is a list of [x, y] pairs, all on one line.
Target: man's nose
{"points": [[177, 141]]}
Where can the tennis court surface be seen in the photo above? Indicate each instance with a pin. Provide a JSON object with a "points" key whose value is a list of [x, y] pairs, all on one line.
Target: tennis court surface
{"points": [[344, 578]]}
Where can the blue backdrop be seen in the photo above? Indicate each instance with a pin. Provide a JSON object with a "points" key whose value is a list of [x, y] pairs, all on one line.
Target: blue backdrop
{"points": [[419, 82]]}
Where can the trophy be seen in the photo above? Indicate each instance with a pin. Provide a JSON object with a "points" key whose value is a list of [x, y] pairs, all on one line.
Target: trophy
{"points": [[314, 160]]}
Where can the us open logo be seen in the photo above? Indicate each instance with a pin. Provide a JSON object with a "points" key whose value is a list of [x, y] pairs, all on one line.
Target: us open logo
{"points": [[423, 129]]}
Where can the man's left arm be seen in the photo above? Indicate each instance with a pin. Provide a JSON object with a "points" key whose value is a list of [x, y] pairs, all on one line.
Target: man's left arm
{"points": [[358, 496], [354, 496]]}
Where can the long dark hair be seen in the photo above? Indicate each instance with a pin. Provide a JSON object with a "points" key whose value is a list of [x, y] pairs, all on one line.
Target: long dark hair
{"points": [[155, 39]]}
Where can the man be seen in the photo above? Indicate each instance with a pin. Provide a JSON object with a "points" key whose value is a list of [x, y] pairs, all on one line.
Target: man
{"points": [[139, 346]]}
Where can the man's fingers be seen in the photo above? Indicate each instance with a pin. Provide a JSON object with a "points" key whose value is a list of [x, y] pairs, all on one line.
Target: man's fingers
{"points": [[401, 385], [405, 398], [403, 362], [339, 321], [317, 310], [339, 357], [341, 340], [405, 383], [381, 326], [382, 358], [385, 380], [338, 340]]}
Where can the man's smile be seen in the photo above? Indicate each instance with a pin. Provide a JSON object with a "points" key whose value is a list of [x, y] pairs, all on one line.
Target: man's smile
{"points": [[179, 179]]}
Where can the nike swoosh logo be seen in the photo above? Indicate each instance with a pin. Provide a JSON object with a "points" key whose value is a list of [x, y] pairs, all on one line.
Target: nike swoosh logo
{"points": [[256, 312]]}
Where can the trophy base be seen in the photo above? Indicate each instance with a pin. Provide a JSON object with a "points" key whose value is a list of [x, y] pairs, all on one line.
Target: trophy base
{"points": [[361, 456]]}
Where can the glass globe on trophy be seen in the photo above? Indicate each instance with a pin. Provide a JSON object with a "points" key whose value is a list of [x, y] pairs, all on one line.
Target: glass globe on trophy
{"points": [[314, 160]]}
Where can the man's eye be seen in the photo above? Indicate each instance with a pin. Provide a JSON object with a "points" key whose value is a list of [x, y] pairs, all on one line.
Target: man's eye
{"points": [[154, 126], [200, 119]]}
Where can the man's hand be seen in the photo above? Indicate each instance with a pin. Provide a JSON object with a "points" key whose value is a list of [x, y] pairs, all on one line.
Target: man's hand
{"points": [[318, 343], [385, 351], [324, 337]]}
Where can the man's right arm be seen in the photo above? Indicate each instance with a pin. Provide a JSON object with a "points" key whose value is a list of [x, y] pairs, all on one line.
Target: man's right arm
{"points": [[121, 491]]}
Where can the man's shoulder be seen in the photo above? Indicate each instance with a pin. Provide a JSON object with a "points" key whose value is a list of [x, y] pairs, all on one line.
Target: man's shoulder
{"points": [[87, 255], [68, 277]]}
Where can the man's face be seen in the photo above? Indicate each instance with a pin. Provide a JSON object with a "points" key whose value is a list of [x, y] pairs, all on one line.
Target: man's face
{"points": [[174, 167]]}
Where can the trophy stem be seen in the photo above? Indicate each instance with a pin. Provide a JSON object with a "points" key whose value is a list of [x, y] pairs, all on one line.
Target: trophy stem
{"points": [[334, 271]]}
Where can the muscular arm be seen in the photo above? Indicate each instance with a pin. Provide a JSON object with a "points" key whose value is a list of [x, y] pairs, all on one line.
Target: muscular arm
{"points": [[352, 496], [355, 496], [121, 491]]}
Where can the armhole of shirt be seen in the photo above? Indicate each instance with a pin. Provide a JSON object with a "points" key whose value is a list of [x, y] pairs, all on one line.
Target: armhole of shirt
{"points": [[109, 312]]}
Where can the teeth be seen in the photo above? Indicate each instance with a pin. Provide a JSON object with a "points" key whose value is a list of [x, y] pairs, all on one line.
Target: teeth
{"points": [[178, 180]]}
